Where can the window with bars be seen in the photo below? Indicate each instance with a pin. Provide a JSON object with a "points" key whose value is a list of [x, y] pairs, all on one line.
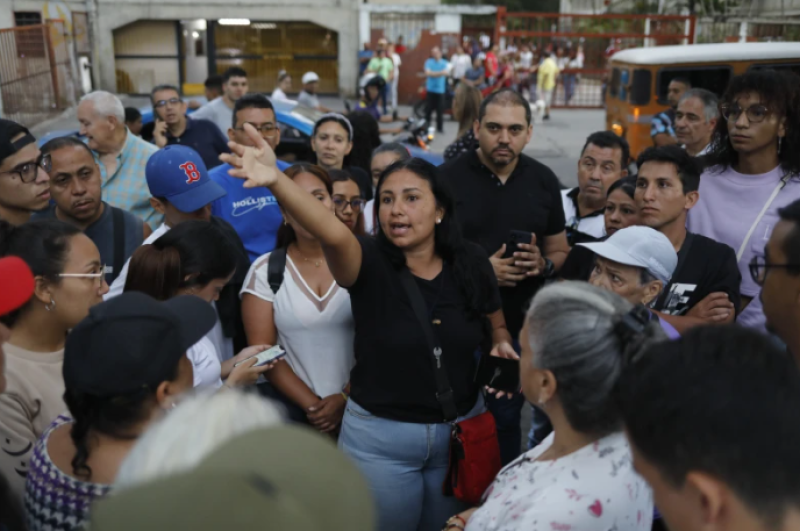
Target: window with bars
{"points": [[30, 41]]}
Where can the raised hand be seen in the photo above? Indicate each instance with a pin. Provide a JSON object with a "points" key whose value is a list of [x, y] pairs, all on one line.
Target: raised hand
{"points": [[257, 165]]}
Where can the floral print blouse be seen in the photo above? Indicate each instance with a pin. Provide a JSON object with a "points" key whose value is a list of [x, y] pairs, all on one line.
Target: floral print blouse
{"points": [[593, 489]]}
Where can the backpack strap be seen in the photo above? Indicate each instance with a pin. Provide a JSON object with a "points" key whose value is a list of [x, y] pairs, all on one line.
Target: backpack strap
{"points": [[276, 265], [118, 223]]}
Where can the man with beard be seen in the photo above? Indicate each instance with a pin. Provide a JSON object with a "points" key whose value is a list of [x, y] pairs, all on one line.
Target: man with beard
{"points": [[75, 186], [174, 127], [498, 190]]}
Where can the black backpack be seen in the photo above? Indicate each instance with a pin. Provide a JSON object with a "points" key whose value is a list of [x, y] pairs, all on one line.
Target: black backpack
{"points": [[276, 265]]}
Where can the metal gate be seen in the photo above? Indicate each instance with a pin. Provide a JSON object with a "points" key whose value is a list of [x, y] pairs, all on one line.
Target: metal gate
{"points": [[36, 72], [582, 45]]}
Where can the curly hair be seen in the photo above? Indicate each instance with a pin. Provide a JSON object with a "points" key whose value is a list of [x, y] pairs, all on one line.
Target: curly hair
{"points": [[778, 92]]}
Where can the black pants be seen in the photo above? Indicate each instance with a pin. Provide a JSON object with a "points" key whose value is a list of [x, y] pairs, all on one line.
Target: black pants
{"points": [[434, 101]]}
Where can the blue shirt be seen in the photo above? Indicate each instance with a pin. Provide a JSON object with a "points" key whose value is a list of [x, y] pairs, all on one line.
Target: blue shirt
{"points": [[437, 85], [253, 212], [204, 137]]}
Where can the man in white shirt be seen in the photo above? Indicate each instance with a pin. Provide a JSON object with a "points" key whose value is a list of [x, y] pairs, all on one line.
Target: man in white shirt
{"points": [[308, 96], [695, 120], [460, 62], [220, 110], [604, 161]]}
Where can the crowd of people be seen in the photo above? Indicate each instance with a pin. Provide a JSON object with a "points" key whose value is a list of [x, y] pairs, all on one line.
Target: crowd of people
{"points": [[143, 284]]}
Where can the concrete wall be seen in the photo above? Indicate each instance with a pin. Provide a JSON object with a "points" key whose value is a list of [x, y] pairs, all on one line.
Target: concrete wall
{"points": [[337, 15]]}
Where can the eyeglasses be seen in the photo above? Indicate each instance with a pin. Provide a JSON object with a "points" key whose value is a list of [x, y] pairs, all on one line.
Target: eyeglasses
{"points": [[755, 113], [759, 267], [267, 129], [356, 204], [171, 101], [27, 172], [97, 277]]}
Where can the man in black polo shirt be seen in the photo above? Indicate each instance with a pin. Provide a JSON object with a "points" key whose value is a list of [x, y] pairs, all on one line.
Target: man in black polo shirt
{"points": [[499, 190], [604, 161], [174, 127], [704, 288]]}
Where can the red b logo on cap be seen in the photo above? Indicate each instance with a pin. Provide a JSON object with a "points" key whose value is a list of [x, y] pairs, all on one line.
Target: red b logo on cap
{"points": [[191, 171]]}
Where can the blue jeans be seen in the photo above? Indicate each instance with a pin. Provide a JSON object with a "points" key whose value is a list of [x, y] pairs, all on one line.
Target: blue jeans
{"points": [[508, 418], [405, 464]]}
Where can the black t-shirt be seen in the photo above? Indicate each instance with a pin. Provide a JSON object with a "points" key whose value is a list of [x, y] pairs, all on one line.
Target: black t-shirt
{"points": [[578, 265], [489, 210], [704, 266], [393, 376]]}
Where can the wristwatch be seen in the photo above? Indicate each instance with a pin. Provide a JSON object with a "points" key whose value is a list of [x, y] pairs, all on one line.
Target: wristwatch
{"points": [[549, 268]]}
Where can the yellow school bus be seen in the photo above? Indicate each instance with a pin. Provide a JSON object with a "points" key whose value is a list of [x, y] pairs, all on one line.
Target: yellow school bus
{"points": [[637, 87]]}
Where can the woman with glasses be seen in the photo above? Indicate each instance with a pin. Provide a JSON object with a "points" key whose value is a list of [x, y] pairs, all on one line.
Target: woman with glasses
{"points": [[70, 279], [753, 169], [291, 299], [347, 201]]}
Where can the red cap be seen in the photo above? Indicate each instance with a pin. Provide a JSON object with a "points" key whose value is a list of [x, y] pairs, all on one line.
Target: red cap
{"points": [[16, 283]]}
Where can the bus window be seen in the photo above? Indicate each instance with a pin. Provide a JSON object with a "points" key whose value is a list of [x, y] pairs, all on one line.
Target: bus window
{"points": [[624, 79], [790, 67], [613, 87], [641, 86], [713, 78]]}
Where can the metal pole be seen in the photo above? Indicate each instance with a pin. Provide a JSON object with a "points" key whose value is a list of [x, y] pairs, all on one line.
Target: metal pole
{"points": [[94, 41]]}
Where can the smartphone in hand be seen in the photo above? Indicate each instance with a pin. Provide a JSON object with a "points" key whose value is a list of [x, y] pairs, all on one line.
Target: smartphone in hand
{"points": [[266, 356], [515, 238], [498, 373]]}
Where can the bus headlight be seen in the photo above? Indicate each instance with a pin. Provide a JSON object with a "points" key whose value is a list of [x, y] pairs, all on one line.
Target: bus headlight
{"points": [[617, 128]]}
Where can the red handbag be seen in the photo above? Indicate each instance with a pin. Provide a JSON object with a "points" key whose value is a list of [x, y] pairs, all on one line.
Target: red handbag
{"points": [[474, 448]]}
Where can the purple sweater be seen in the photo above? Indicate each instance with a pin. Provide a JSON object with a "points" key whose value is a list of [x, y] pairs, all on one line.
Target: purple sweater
{"points": [[728, 206]]}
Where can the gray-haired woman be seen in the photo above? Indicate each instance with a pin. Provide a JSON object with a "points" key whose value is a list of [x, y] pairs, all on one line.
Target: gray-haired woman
{"points": [[575, 341]]}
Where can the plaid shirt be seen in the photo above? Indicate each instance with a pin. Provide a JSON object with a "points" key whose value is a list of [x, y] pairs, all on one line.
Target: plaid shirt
{"points": [[127, 188]]}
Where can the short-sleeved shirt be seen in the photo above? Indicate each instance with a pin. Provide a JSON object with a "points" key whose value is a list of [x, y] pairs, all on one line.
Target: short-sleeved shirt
{"points": [[315, 331], [54, 500], [663, 123], [592, 489], [206, 365], [436, 85], [589, 228], [704, 267], [729, 205], [218, 112], [127, 187], [253, 212], [371, 108], [548, 71], [383, 66], [309, 100], [204, 137], [474, 74], [394, 376], [489, 210], [101, 232]]}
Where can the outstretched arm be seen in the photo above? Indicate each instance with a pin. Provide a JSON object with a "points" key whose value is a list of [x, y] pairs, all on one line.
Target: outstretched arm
{"points": [[257, 167]]}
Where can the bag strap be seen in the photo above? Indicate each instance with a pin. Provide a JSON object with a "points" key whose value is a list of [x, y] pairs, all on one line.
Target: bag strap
{"points": [[118, 222], [444, 393], [775, 192], [276, 265]]}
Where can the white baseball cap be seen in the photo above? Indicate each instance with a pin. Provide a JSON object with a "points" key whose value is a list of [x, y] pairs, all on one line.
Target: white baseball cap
{"points": [[310, 77], [639, 246]]}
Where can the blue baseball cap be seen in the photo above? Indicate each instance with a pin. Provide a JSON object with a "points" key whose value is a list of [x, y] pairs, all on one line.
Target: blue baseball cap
{"points": [[178, 174]]}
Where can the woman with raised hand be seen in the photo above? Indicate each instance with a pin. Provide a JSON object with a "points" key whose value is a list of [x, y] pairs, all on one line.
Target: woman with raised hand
{"points": [[70, 279], [303, 309], [575, 341], [394, 427], [195, 258]]}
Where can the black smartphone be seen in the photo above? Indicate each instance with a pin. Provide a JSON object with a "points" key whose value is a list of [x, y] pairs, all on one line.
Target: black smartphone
{"points": [[516, 237], [498, 373]]}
